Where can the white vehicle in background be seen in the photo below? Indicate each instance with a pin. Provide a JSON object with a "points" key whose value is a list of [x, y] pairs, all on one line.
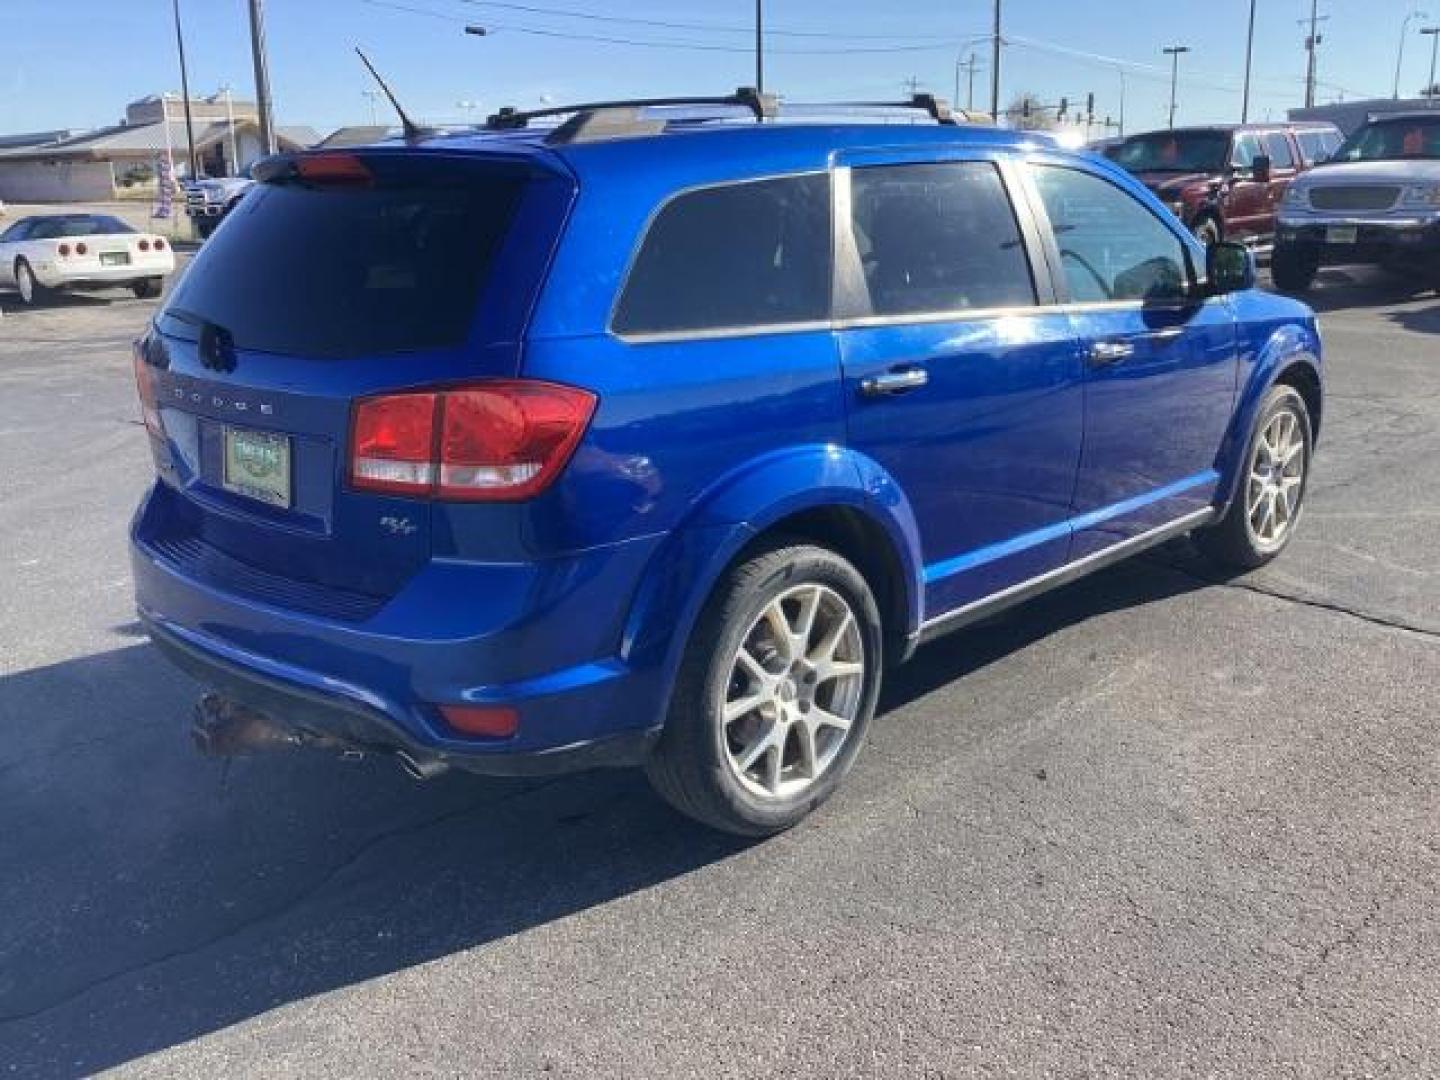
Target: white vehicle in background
{"points": [[208, 201], [50, 253]]}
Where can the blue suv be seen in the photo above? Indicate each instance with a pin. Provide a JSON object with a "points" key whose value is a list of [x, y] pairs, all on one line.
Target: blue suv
{"points": [[653, 437]]}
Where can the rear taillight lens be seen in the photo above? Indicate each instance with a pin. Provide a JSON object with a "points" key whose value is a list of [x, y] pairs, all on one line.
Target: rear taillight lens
{"points": [[159, 244], [498, 441], [144, 245], [145, 384], [63, 250], [81, 249]]}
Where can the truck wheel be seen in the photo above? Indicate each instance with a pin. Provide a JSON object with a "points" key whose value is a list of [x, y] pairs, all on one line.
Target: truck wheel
{"points": [[1293, 267], [1208, 231], [1266, 508], [147, 288], [32, 293], [776, 690], [204, 226]]}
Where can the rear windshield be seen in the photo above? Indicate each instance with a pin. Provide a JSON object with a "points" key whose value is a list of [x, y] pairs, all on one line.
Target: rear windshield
{"points": [[1173, 151], [1393, 140], [58, 228], [390, 265]]}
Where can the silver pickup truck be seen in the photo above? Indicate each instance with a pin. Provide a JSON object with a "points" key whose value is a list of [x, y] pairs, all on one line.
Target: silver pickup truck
{"points": [[208, 201], [1375, 201]]}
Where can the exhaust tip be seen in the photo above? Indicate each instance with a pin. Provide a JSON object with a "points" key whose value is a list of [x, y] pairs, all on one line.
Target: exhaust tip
{"points": [[420, 769]]}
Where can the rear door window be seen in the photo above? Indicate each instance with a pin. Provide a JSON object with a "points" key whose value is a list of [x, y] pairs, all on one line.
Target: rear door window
{"points": [[746, 255], [1245, 150], [1312, 146], [357, 267], [1277, 145], [938, 238]]}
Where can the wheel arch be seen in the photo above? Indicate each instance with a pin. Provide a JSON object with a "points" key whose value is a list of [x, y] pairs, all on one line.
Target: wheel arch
{"points": [[1290, 356], [826, 495]]}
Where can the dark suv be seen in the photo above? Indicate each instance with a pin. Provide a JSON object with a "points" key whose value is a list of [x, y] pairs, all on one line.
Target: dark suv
{"points": [[1226, 182], [652, 441]]}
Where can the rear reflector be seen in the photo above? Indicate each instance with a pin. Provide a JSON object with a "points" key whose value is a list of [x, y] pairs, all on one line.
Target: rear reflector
{"points": [[145, 384], [489, 721], [504, 440]]}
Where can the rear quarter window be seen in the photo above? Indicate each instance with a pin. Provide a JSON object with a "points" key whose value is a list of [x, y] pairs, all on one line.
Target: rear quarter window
{"points": [[353, 270], [745, 255]]}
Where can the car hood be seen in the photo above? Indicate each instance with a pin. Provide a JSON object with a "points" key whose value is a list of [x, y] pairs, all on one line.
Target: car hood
{"points": [[1172, 184], [1413, 171]]}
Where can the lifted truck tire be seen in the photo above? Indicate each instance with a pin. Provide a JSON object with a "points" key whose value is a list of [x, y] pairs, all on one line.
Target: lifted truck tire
{"points": [[1293, 267]]}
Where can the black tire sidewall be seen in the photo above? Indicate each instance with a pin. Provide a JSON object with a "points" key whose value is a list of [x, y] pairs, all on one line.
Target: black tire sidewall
{"points": [[745, 597]]}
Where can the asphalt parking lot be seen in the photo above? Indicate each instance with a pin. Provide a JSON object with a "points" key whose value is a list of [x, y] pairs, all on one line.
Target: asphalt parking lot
{"points": [[1156, 824]]}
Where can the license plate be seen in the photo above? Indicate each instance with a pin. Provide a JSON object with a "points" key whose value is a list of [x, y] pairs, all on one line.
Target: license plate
{"points": [[1341, 234], [114, 258], [257, 465]]}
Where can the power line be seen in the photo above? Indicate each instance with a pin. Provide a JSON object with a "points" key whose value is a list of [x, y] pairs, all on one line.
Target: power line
{"points": [[535, 31], [570, 13]]}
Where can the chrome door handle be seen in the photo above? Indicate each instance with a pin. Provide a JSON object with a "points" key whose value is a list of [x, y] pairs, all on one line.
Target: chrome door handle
{"points": [[1110, 352], [1165, 336], [901, 381]]}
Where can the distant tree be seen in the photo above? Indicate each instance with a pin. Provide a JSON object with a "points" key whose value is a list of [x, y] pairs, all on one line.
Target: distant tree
{"points": [[1026, 112]]}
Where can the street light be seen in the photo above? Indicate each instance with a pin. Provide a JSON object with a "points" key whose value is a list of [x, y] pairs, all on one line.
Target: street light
{"points": [[1400, 52], [1434, 34], [1174, 51]]}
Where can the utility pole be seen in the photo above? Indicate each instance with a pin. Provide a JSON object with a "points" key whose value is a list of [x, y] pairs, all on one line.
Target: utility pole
{"points": [[262, 77], [995, 67], [970, 67], [185, 92], [1400, 52], [1433, 32], [1121, 130], [1312, 41], [227, 90], [371, 96], [1174, 51], [760, 46], [1249, 55]]}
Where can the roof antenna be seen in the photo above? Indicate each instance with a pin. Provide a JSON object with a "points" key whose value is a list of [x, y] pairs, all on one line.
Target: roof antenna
{"points": [[413, 131]]}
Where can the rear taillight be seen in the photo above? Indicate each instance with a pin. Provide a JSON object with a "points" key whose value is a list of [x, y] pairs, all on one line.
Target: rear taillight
{"points": [[497, 441], [144, 245], [145, 383], [159, 244], [81, 249], [63, 250]]}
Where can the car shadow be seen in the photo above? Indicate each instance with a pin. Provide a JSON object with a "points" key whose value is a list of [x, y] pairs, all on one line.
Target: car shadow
{"points": [[152, 897], [1339, 287]]}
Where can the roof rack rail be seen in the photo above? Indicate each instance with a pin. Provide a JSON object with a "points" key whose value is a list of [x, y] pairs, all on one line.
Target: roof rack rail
{"points": [[625, 114], [938, 108]]}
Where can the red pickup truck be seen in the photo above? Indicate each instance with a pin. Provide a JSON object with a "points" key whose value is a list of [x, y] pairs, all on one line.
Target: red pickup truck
{"points": [[1225, 181]]}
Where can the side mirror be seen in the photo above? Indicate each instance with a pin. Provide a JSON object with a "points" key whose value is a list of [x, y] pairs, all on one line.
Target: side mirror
{"points": [[1260, 168], [1229, 267]]}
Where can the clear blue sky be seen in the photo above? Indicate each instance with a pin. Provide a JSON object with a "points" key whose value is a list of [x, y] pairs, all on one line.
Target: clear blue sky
{"points": [[74, 63]]}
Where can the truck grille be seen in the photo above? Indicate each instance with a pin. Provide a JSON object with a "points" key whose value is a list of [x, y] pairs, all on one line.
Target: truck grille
{"points": [[1354, 197]]}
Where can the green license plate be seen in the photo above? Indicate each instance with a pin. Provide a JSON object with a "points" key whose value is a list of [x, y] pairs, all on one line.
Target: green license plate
{"points": [[1342, 234], [257, 465], [114, 258]]}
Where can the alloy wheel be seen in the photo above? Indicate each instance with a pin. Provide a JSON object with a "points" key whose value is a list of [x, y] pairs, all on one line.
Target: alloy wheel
{"points": [[1277, 480], [25, 282], [795, 689]]}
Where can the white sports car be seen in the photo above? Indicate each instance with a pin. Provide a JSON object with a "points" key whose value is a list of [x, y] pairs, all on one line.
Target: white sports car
{"points": [[50, 253]]}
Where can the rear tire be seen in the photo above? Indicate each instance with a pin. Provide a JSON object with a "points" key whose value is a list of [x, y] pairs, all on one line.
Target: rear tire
{"points": [[765, 722], [1271, 496], [148, 288], [1293, 267], [32, 293]]}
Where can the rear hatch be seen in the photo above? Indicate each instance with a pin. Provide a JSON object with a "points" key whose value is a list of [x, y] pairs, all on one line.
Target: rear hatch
{"points": [[338, 277]]}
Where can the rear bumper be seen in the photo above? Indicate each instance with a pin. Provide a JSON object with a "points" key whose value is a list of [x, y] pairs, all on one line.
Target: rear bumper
{"points": [[101, 277], [543, 639]]}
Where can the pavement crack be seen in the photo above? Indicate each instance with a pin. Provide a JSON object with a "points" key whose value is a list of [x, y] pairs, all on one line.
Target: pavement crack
{"points": [[1348, 938], [280, 910], [1302, 601]]}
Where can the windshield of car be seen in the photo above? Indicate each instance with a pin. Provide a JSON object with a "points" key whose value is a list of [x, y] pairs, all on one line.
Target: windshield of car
{"points": [[1174, 151], [1393, 140], [60, 228]]}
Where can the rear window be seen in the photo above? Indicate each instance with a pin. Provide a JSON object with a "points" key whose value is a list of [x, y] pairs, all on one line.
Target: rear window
{"points": [[745, 255], [59, 228], [392, 265]]}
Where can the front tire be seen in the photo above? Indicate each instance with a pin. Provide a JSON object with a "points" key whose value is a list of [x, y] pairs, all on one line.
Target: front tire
{"points": [[32, 293], [774, 695], [1266, 509], [1293, 267]]}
